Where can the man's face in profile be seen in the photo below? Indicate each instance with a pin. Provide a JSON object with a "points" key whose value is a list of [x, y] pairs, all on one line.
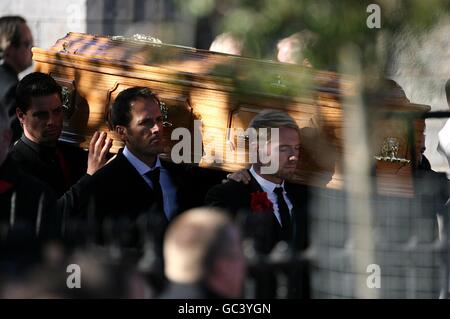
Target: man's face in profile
{"points": [[288, 149], [280, 157], [43, 121], [20, 53]]}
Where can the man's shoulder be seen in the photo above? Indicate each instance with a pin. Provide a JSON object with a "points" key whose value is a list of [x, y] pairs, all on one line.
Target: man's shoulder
{"points": [[193, 171], [26, 181], [174, 167], [18, 146], [299, 192], [21, 152], [230, 191], [297, 187], [35, 184], [116, 168]]}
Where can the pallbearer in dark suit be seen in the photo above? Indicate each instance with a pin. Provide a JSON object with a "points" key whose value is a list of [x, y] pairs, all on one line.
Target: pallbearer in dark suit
{"points": [[137, 194], [40, 154], [138, 187], [276, 208], [27, 211]]}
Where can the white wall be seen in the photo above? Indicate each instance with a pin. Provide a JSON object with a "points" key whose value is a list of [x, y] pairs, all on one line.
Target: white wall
{"points": [[49, 20], [421, 67]]}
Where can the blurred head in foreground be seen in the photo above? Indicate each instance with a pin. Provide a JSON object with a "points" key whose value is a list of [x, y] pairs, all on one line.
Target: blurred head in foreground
{"points": [[202, 246]]}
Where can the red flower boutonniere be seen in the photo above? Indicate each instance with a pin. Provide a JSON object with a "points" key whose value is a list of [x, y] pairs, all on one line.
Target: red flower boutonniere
{"points": [[5, 186], [260, 203]]}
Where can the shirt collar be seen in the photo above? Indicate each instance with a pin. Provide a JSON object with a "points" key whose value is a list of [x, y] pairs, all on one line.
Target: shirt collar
{"points": [[266, 185], [38, 148], [139, 165]]}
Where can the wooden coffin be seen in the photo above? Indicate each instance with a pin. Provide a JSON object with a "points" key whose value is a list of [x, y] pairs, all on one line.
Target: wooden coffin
{"points": [[223, 91]]}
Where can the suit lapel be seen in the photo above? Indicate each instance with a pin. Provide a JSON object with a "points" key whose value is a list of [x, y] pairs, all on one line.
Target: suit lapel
{"points": [[140, 197], [253, 184]]}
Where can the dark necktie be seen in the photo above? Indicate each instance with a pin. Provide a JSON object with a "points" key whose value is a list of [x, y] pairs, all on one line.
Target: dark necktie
{"points": [[283, 210], [154, 177]]}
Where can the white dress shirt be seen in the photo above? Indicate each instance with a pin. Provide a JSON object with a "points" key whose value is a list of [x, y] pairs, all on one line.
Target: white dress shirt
{"points": [[269, 188], [168, 188]]}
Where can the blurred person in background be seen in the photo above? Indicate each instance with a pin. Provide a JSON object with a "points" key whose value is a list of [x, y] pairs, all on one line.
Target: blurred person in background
{"points": [[227, 43], [203, 256], [40, 154], [295, 48], [85, 274], [16, 41], [27, 211]]}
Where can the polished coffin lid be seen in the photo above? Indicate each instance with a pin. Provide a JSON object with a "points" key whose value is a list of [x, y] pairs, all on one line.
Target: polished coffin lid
{"points": [[223, 92]]}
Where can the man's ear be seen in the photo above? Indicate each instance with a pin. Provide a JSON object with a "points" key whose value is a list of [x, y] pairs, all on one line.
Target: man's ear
{"points": [[20, 115], [122, 131]]}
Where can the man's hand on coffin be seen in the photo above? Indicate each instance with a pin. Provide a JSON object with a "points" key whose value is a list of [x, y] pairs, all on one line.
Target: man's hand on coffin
{"points": [[241, 176], [98, 150]]}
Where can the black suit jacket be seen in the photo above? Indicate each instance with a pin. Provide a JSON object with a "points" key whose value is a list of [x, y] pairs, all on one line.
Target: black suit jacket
{"points": [[69, 183], [236, 198], [20, 243], [267, 232], [122, 199]]}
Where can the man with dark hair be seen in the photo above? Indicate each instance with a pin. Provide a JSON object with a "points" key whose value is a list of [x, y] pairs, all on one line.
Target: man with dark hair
{"points": [[136, 117], [137, 194], [152, 186], [27, 211], [16, 41], [39, 153]]}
